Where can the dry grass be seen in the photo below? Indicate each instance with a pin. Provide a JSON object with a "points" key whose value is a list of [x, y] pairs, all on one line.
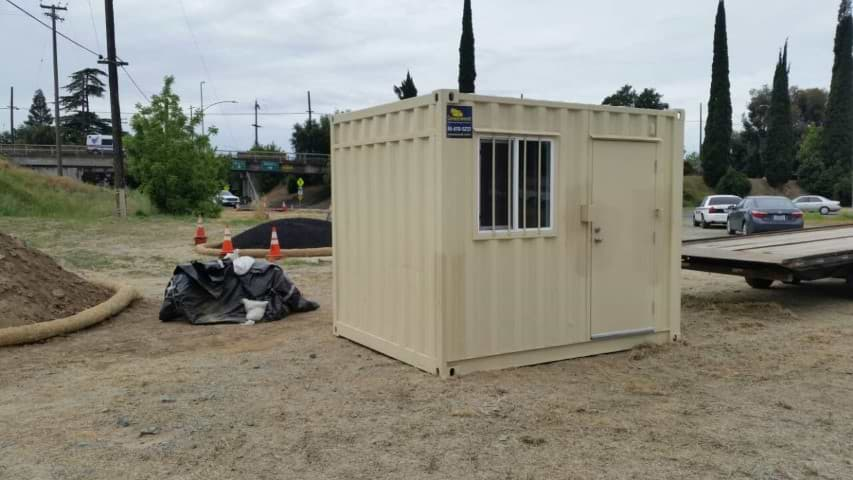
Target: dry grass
{"points": [[25, 193]]}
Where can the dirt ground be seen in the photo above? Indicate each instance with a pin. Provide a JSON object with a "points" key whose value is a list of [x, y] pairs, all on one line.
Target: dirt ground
{"points": [[761, 388]]}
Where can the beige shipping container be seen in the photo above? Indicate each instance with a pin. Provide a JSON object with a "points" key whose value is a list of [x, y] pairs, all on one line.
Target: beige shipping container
{"points": [[476, 233]]}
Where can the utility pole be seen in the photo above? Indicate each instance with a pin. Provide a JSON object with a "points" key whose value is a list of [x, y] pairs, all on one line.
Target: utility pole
{"points": [[310, 112], [256, 125], [119, 179], [54, 17], [201, 103], [12, 109]]}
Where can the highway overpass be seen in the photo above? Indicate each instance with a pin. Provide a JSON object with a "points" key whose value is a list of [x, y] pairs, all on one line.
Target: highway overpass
{"points": [[78, 161]]}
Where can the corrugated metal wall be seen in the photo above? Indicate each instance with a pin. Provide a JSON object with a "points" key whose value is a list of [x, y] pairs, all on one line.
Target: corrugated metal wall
{"points": [[385, 188], [508, 295], [414, 276]]}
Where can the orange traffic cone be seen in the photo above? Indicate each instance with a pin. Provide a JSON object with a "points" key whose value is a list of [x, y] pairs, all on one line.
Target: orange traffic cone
{"points": [[227, 246], [200, 234], [275, 249]]}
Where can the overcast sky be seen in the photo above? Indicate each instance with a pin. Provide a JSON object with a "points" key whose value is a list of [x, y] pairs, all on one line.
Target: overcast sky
{"points": [[349, 53]]}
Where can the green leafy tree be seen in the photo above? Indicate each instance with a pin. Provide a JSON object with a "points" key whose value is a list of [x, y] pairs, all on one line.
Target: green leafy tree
{"points": [[809, 107], [718, 131], [651, 99], [177, 169], [407, 88], [691, 163], [312, 136], [779, 153], [624, 97], [38, 127], [812, 171], [84, 84], [467, 67], [734, 183], [76, 126], [740, 153], [628, 97], [837, 148], [39, 114]]}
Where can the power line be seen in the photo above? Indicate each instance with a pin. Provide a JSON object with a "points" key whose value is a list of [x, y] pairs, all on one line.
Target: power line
{"points": [[262, 114], [138, 89], [75, 42], [207, 74], [94, 27]]}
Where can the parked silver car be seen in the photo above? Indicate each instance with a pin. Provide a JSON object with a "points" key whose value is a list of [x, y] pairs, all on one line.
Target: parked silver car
{"points": [[816, 203], [714, 209], [228, 199]]}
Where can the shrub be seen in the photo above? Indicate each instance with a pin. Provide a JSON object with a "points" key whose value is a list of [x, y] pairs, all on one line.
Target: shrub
{"points": [[734, 183]]}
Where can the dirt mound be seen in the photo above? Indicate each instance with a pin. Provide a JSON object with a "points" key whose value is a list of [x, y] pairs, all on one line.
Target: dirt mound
{"points": [[33, 288], [293, 233]]}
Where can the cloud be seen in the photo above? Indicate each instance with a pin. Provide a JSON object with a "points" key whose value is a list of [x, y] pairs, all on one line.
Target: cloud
{"points": [[349, 54]]}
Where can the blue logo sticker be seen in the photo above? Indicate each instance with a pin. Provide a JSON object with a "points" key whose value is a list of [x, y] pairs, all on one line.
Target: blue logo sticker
{"points": [[460, 121]]}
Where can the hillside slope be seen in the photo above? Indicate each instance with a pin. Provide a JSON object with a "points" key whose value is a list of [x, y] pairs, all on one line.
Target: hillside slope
{"points": [[25, 193], [695, 189]]}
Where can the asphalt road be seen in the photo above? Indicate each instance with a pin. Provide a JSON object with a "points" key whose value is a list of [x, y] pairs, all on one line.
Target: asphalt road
{"points": [[689, 232]]}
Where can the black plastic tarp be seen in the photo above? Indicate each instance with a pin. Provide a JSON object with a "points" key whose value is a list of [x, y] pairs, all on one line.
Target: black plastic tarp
{"points": [[207, 293], [293, 233]]}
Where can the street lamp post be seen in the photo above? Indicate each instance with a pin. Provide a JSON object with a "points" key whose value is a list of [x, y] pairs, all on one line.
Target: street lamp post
{"points": [[200, 111]]}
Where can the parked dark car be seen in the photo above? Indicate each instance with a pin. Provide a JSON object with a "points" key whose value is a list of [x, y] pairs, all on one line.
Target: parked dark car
{"points": [[764, 214]]}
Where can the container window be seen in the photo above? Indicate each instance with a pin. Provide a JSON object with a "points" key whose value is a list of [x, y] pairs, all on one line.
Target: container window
{"points": [[515, 184], [495, 177]]}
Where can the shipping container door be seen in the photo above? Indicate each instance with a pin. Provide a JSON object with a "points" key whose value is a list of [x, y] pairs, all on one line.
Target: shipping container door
{"points": [[622, 267]]}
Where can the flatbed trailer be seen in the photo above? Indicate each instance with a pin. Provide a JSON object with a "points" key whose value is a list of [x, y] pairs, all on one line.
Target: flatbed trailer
{"points": [[789, 256]]}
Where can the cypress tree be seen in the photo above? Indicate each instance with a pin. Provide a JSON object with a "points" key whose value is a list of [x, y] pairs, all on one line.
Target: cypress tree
{"points": [[718, 131], [779, 154], [407, 89], [837, 143], [467, 69]]}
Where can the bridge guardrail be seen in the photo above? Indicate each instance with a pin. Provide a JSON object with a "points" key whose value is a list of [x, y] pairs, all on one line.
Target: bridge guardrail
{"points": [[23, 150]]}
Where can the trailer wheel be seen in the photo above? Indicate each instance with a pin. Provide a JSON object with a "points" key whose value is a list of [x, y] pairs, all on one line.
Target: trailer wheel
{"points": [[759, 283]]}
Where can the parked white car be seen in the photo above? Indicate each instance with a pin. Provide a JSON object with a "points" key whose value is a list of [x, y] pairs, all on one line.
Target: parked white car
{"points": [[714, 210], [816, 203], [99, 143]]}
